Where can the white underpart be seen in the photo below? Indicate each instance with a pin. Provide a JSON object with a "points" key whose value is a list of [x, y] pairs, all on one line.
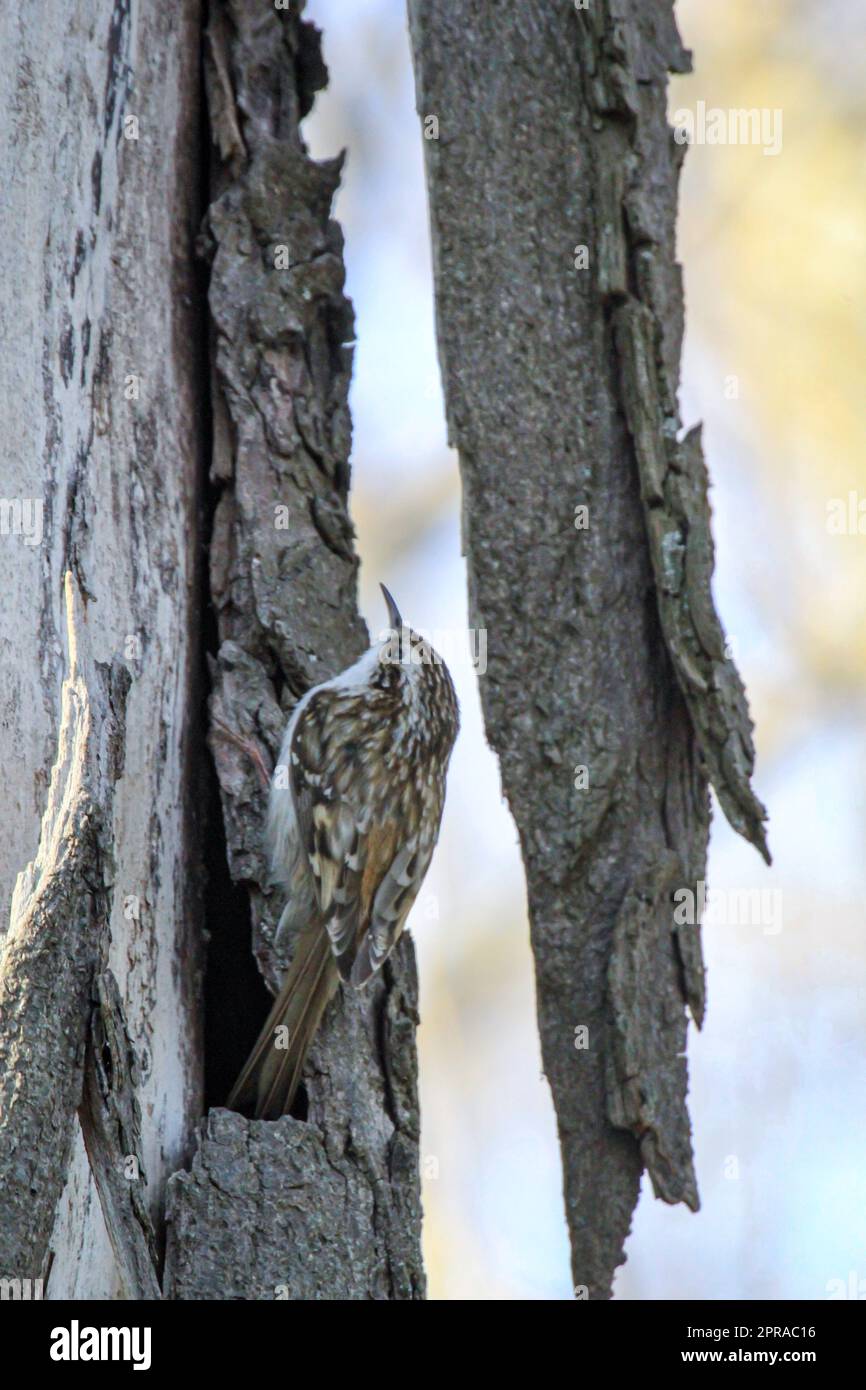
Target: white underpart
{"points": [[282, 831]]}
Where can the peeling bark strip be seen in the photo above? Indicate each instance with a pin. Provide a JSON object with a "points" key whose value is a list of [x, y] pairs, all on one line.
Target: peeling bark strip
{"points": [[640, 282], [56, 940], [330, 1207], [111, 1124], [674, 485], [553, 185]]}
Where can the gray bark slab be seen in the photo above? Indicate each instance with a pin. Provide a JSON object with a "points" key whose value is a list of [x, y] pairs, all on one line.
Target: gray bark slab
{"points": [[100, 417], [608, 697]]}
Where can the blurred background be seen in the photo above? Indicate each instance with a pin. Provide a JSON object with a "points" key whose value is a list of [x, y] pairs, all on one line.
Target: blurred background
{"points": [[774, 253]]}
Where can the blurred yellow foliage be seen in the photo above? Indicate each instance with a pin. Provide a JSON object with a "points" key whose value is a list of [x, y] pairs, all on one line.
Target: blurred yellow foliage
{"points": [[774, 250]]}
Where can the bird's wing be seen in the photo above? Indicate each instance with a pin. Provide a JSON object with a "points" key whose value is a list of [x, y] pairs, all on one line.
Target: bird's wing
{"points": [[348, 850], [391, 904], [368, 851]]}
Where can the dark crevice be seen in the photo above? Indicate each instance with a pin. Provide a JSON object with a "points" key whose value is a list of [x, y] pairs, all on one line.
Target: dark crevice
{"points": [[236, 1000], [301, 1104]]}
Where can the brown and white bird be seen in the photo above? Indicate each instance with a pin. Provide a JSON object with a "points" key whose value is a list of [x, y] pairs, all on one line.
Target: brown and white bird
{"points": [[352, 825]]}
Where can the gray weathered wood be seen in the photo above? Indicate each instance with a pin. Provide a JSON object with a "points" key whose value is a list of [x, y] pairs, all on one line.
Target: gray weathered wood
{"points": [[101, 421], [553, 187]]}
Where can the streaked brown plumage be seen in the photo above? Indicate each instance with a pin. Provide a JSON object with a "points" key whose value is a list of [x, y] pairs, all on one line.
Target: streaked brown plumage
{"points": [[351, 830]]}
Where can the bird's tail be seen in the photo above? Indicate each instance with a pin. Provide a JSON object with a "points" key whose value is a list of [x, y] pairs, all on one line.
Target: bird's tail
{"points": [[272, 1073]]}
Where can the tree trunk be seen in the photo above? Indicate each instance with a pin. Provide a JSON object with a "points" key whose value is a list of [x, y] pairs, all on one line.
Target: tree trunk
{"points": [[608, 695], [342, 1214], [120, 386], [100, 410], [145, 427]]}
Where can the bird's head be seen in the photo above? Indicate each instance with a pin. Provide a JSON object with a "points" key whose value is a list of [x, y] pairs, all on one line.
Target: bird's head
{"points": [[399, 644], [409, 666]]}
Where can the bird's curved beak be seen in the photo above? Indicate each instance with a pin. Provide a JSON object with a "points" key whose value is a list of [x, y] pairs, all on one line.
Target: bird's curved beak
{"points": [[394, 619]]}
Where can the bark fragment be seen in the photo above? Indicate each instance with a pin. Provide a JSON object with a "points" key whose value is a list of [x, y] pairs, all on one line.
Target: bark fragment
{"points": [[674, 486], [559, 307], [56, 940], [111, 1125]]}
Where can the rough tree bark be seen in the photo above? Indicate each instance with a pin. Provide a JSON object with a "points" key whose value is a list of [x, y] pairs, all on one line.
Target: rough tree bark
{"points": [[327, 1205], [107, 417], [604, 649], [608, 695]]}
